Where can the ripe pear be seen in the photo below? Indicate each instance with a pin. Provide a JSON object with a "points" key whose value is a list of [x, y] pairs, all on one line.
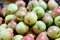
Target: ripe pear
{"points": [[22, 28], [43, 4], [7, 34], [12, 8], [52, 4], [39, 12], [39, 27], [53, 32], [57, 21], [30, 18], [47, 19], [17, 37]]}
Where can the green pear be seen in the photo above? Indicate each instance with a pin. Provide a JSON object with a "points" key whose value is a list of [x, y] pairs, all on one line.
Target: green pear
{"points": [[39, 27], [3, 27], [43, 4], [32, 4], [30, 18], [12, 8], [39, 12], [47, 19], [20, 15], [57, 21], [17, 37], [53, 32], [22, 28], [8, 18]]}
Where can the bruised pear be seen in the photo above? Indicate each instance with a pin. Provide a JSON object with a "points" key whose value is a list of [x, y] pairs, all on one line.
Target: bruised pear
{"points": [[20, 15], [42, 36], [43, 4], [39, 12], [39, 27], [22, 28], [7, 34], [8, 18], [20, 3], [17, 37], [12, 8], [32, 4], [30, 18], [52, 4], [53, 32], [47, 19]]}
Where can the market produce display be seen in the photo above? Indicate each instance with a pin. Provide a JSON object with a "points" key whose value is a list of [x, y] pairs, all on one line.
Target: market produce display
{"points": [[39, 20]]}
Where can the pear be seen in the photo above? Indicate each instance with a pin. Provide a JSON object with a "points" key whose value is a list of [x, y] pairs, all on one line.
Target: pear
{"points": [[8, 18], [43, 4], [52, 4], [32, 4], [22, 28], [39, 12], [30, 18], [17, 37], [12, 8], [47, 19], [7, 34], [53, 32], [39, 27], [57, 39], [20, 15]]}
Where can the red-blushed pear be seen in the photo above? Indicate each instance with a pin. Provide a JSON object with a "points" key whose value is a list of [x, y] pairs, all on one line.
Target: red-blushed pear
{"points": [[53, 32], [42, 36], [12, 25], [1, 20], [30, 18], [39, 27], [28, 37], [22, 28], [57, 39], [7, 34], [52, 4], [47, 19], [17, 37], [55, 12], [20, 3]]}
